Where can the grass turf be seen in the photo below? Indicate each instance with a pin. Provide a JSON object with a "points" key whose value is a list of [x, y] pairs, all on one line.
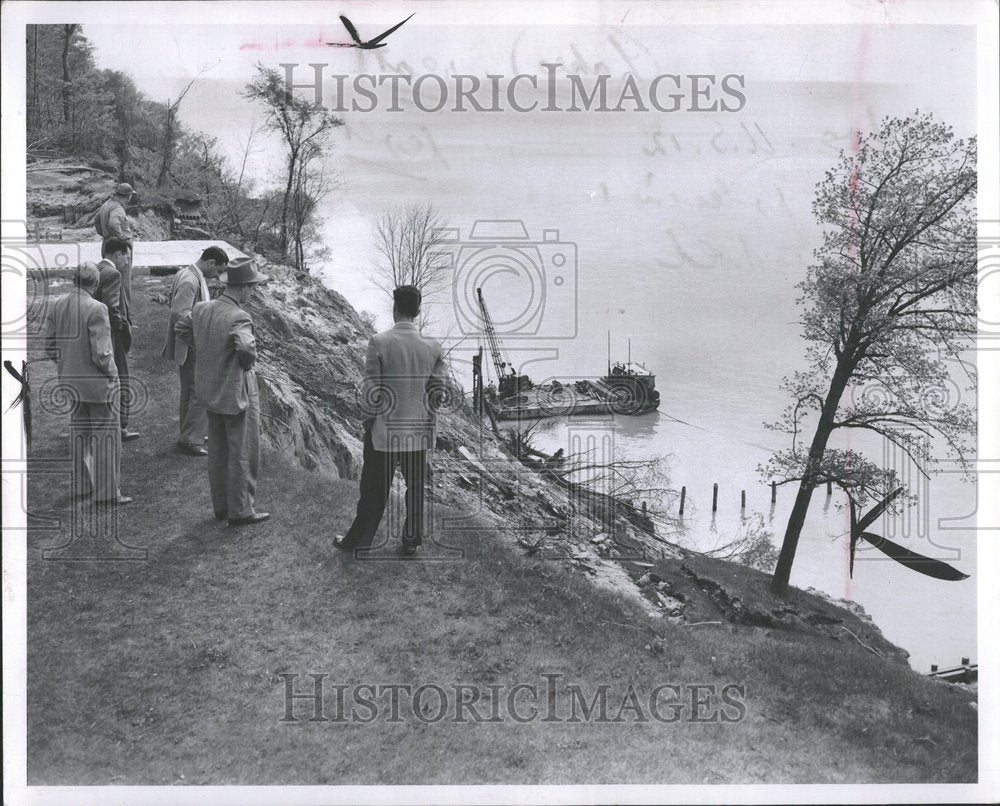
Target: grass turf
{"points": [[168, 670]]}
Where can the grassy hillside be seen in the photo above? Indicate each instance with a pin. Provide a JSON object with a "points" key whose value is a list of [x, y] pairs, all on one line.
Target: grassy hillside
{"points": [[167, 670]]}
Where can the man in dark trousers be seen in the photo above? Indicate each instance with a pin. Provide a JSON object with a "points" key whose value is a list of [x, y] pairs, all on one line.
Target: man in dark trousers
{"points": [[191, 287], [111, 291], [221, 333], [403, 384]]}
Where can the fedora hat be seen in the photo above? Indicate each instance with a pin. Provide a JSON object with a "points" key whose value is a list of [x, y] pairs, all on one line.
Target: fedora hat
{"points": [[241, 271], [124, 189]]}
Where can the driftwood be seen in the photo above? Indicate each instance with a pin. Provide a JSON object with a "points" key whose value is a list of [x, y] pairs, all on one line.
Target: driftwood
{"points": [[497, 482]]}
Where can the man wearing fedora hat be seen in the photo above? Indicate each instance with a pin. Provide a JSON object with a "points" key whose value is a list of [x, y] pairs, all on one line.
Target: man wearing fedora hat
{"points": [[221, 333]]}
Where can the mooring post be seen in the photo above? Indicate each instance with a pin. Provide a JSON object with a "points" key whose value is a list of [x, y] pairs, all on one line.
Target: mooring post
{"points": [[965, 661], [743, 499], [684, 491], [933, 667], [715, 497], [774, 491], [829, 488]]}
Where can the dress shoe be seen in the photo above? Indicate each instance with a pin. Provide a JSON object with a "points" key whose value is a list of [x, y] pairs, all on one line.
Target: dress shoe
{"points": [[408, 549], [338, 543], [222, 516], [250, 520], [114, 502], [128, 436], [191, 450]]}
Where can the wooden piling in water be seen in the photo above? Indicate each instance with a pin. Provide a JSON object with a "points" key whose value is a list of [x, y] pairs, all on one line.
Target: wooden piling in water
{"points": [[829, 488], [743, 499], [715, 497], [774, 491], [683, 496]]}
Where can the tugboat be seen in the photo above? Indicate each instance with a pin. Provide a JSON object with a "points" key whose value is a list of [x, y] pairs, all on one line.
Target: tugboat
{"points": [[627, 388]]}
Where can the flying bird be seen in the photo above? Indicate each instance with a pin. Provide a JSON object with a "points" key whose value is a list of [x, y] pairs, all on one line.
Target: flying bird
{"points": [[370, 44]]}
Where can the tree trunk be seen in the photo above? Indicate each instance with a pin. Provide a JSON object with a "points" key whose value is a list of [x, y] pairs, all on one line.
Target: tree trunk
{"points": [[797, 518], [68, 31], [168, 148], [283, 233]]}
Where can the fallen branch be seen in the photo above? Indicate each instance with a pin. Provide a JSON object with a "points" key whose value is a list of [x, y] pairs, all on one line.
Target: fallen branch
{"points": [[866, 646], [630, 626]]}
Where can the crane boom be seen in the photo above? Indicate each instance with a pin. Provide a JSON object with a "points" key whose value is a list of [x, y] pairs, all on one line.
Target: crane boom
{"points": [[496, 348], [508, 380]]}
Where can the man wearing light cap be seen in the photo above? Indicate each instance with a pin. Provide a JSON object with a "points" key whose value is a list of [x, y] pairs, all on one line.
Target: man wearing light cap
{"points": [[221, 333], [111, 222]]}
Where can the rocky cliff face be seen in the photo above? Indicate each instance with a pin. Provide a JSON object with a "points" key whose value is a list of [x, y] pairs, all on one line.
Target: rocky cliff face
{"points": [[312, 345], [64, 196]]}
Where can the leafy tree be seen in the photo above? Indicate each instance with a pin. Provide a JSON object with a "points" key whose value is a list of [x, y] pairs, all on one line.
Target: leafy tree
{"points": [[304, 127], [889, 302], [66, 108]]}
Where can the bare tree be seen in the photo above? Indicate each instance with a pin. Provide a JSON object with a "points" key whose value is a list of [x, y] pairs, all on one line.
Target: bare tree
{"points": [[409, 241], [889, 302], [169, 132]]}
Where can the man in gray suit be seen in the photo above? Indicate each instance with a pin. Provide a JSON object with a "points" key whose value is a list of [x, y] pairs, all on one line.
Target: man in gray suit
{"points": [[111, 291], [221, 333], [78, 339], [403, 385], [190, 287]]}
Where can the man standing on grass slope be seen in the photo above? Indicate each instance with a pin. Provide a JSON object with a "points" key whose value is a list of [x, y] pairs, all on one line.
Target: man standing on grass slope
{"points": [[189, 288], [221, 333], [404, 384], [112, 222], [111, 291], [78, 339]]}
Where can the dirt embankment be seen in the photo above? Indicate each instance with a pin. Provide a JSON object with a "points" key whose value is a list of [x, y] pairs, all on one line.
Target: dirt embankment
{"points": [[312, 345]]}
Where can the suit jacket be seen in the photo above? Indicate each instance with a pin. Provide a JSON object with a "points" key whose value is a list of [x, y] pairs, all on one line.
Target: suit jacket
{"points": [[221, 333], [189, 288], [78, 339], [404, 379], [111, 291]]}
